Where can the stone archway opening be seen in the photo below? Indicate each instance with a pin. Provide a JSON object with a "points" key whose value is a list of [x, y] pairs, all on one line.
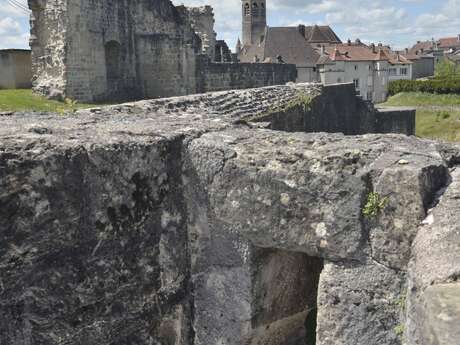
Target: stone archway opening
{"points": [[285, 290], [113, 66]]}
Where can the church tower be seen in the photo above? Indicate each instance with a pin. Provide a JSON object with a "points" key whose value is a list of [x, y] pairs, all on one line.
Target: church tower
{"points": [[254, 21]]}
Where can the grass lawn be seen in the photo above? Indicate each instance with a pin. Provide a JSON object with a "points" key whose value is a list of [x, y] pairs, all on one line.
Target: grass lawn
{"points": [[438, 124], [421, 99], [25, 100], [438, 116]]}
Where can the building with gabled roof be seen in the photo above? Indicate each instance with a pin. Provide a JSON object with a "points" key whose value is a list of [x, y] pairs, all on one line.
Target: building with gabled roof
{"points": [[450, 44], [367, 67], [284, 44], [293, 45]]}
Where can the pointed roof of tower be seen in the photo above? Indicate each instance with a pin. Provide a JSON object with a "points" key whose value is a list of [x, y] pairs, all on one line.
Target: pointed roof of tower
{"points": [[238, 46]]}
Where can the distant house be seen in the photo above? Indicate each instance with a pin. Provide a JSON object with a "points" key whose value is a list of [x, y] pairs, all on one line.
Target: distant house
{"points": [[366, 67], [422, 65], [400, 67], [426, 49], [437, 49], [15, 69], [449, 44]]}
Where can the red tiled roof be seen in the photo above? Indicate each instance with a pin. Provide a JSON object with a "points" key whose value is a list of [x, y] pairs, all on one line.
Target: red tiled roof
{"points": [[345, 52], [425, 46], [449, 42], [320, 34], [398, 59]]}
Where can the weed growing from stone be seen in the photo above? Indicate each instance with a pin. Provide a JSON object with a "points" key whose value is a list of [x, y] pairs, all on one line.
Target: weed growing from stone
{"points": [[401, 304], [374, 205], [399, 330]]}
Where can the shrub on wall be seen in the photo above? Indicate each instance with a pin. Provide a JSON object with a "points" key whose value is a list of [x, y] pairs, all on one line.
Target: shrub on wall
{"points": [[441, 86]]}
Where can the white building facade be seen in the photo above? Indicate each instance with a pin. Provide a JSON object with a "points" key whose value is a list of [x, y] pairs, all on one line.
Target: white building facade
{"points": [[369, 71]]}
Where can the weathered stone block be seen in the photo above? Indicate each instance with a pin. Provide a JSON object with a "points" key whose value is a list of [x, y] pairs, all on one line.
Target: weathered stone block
{"points": [[178, 221]]}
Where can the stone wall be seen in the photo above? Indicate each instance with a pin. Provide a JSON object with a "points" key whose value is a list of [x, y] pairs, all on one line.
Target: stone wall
{"points": [[313, 112], [227, 76], [15, 69], [177, 221], [48, 33]]}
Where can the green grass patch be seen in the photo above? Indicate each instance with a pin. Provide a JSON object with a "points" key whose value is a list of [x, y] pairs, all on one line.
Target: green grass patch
{"points": [[26, 100], [438, 116], [423, 99], [435, 124]]}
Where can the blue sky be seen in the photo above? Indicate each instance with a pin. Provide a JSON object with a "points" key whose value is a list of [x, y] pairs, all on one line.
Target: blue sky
{"points": [[399, 23]]}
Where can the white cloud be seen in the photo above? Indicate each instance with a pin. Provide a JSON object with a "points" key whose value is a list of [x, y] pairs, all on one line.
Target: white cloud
{"points": [[8, 26]]}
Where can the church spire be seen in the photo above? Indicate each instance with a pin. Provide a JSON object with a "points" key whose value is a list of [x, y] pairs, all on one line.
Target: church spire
{"points": [[238, 46]]}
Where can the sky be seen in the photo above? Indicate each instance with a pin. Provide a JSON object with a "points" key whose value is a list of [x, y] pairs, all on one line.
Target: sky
{"points": [[399, 23]]}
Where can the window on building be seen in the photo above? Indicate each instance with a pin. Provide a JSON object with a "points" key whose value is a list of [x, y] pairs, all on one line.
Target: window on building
{"points": [[392, 71], [356, 82], [247, 10], [356, 67], [314, 69], [403, 71], [369, 96], [255, 10]]}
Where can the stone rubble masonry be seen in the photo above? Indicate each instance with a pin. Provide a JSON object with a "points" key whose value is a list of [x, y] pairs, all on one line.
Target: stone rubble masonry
{"points": [[125, 50], [202, 22], [181, 221]]}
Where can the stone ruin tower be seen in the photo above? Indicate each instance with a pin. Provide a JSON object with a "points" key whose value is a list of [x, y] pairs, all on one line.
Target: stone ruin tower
{"points": [[254, 14], [112, 49], [202, 21]]}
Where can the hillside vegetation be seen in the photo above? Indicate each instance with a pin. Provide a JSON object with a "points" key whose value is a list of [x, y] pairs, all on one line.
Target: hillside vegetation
{"points": [[438, 116]]}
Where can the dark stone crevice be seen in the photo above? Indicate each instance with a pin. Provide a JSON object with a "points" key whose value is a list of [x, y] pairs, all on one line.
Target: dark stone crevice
{"points": [[284, 290]]}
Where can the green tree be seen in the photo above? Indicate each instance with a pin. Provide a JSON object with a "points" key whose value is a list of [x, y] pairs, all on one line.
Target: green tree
{"points": [[446, 69]]}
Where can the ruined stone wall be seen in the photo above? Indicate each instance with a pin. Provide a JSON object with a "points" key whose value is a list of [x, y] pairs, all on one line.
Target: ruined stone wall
{"points": [[115, 50], [48, 34], [202, 22], [101, 49], [176, 221], [227, 76]]}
